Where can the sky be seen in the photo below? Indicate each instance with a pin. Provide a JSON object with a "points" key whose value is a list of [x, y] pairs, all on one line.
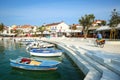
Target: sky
{"points": [[39, 12]]}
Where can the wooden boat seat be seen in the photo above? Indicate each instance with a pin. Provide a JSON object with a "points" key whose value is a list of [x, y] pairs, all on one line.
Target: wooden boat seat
{"points": [[36, 63]]}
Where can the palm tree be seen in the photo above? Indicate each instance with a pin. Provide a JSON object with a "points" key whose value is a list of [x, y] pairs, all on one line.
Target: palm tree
{"points": [[86, 21], [114, 21]]}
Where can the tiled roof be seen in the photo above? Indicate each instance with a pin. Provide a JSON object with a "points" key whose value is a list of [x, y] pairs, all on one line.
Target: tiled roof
{"points": [[26, 26], [53, 24], [5, 27]]}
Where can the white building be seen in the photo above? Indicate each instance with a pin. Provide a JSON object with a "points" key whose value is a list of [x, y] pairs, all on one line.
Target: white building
{"points": [[57, 29]]}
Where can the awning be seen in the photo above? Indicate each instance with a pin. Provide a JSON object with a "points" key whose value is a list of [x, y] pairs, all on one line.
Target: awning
{"points": [[118, 27], [73, 31], [8, 34], [103, 28], [46, 32]]}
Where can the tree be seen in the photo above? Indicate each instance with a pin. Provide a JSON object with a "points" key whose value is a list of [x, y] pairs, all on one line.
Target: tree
{"points": [[86, 21], [1, 27], [103, 23], [114, 21], [73, 27], [41, 29]]}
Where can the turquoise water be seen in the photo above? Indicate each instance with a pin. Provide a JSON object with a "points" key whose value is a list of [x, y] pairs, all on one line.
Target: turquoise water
{"points": [[67, 70]]}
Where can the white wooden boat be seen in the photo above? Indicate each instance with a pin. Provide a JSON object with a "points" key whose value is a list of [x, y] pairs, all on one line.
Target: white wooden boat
{"points": [[47, 52]]}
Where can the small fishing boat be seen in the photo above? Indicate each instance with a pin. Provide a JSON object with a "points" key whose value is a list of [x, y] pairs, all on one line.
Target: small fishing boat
{"points": [[34, 64], [46, 52], [26, 41], [36, 45]]}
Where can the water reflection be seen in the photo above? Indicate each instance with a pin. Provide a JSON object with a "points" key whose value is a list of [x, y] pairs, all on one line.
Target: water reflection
{"points": [[44, 75], [1, 47]]}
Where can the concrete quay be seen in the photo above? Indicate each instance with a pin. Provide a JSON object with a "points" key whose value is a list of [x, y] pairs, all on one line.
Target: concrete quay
{"points": [[95, 62]]}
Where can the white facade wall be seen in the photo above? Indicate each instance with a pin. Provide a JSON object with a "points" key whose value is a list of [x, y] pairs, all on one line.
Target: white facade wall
{"points": [[62, 27]]}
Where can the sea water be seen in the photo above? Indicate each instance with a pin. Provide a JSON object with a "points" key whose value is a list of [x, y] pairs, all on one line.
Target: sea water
{"points": [[10, 49]]}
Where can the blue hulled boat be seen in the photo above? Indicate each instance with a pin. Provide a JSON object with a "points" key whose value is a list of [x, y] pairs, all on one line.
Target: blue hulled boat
{"points": [[34, 64], [46, 52]]}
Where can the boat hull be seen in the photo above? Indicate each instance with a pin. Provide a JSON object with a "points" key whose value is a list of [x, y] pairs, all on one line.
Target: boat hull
{"points": [[38, 65], [26, 67], [46, 53]]}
